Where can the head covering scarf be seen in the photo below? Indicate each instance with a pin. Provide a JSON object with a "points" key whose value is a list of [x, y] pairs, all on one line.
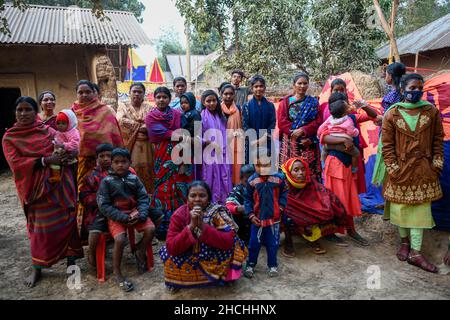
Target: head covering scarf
{"points": [[190, 98], [161, 124], [69, 116], [287, 168]]}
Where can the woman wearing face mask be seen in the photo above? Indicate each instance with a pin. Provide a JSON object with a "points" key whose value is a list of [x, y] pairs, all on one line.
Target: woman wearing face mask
{"points": [[412, 148]]}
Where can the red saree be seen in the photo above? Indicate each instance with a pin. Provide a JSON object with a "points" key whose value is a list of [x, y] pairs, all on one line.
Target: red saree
{"points": [[49, 208], [311, 203]]}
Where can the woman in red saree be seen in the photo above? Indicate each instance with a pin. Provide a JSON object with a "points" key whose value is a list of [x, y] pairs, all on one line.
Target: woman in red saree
{"points": [[170, 187], [312, 210], [97, 124], [50, 208]]}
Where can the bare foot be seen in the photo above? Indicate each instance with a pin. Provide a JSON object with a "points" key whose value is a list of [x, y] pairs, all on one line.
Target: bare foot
{"points": [[36, 275], [447, 258]]}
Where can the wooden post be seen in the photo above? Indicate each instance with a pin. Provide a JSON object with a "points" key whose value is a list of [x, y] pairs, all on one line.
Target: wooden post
{"points": [[416, 65], [387, 30], [392, 25], [188, 54]]}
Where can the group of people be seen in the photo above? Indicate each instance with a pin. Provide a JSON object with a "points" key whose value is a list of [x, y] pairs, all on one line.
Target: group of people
{"points": [[90, 170]]}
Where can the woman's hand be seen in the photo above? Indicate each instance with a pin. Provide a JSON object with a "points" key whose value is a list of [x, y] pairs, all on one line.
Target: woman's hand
{"points": [[196, 218], [297, 133], [379, 120], [143, 131]]}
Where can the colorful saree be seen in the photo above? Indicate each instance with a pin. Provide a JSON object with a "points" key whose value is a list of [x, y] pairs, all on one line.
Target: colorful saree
{"points": [[50, 208], [217, 175], [201, 264], [170, 187], [131, 120], [97, 124], [234, 135], [299, 113], [311, 204]]}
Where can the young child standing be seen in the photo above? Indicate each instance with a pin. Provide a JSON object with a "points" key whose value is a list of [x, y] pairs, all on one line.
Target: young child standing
{"points": [[265, 200], [94, 222], [340, 124], [67, 138], [122, 198], [235, 203]]}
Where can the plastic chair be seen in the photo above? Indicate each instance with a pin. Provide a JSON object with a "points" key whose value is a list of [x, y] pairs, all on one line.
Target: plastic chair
{"points": [[101, 253]]}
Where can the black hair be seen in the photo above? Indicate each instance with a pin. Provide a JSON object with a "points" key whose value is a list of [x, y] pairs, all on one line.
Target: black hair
{"points": [[96, 87], [137, 84], [179, 79], [103, 147], [397, 70], [28, 100], [164, 90], [337, 82], [190, 97], [336, 96], [338, 108], [43, 93], [239, 72], [299, 75], [122, 152], [407, 78], [226, 85], [85, 82], [208, 93], [203, 184], [257, 78], [247, 169]]}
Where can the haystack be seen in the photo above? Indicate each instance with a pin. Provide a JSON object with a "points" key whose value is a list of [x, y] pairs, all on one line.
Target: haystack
{"points": [[368, 85]]}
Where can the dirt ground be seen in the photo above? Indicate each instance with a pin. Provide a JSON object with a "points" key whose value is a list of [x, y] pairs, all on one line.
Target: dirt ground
{"points": [[342, 273]]}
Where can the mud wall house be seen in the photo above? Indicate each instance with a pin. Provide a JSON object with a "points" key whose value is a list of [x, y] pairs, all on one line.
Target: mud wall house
{"points": [[425, 50], [52, 48]]}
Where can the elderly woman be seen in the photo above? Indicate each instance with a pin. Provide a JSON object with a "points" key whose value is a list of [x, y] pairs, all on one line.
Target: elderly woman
{"points": [[50, 208], [97, 124], [131, 116], [47, 101], [202, 248]]}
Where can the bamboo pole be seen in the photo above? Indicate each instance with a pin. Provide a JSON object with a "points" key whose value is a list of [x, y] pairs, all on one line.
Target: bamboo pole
{"points": [[416, 64], [387, 30], [393, 14], [188, 54]]}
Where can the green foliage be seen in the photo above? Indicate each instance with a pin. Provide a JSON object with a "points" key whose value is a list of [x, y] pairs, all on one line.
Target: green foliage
{"points": [[414, 14]]}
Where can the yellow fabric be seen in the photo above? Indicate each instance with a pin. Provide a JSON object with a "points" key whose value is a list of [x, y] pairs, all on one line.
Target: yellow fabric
{"points": [[316, 234]]}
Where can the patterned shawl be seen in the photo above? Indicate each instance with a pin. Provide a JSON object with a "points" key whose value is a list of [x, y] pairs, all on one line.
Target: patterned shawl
{"points": [[131, 120], [97, 124], [161, 124], [303, 111], [23, 147]]}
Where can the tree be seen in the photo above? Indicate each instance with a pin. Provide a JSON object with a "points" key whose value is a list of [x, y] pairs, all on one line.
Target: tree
{"points": [[414, 14], [275, 38], [134, 6]]}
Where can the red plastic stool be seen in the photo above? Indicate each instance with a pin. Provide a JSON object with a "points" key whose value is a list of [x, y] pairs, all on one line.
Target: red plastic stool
{"points": [[101, 253]]}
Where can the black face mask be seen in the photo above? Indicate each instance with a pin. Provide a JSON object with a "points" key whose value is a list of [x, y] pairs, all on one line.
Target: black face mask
{"points": [[413, 96]]}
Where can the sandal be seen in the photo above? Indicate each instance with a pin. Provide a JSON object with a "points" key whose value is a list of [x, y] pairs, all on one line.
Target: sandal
{"points": [[126, 285], [288, 254], [403, 252], [358, 239], [337, 240], [419, 260], [317, 249]]}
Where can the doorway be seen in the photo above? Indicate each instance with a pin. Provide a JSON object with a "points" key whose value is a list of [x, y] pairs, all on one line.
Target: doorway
{"points": [[8, 97]]}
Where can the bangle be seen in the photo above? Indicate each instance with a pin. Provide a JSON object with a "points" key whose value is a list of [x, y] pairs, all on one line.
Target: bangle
{"points": [[43, 162]]}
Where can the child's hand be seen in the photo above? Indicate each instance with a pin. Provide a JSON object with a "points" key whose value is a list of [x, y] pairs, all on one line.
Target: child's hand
{"points": [[359, 104], [255, 221], [240, 209], [132, 221]]}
